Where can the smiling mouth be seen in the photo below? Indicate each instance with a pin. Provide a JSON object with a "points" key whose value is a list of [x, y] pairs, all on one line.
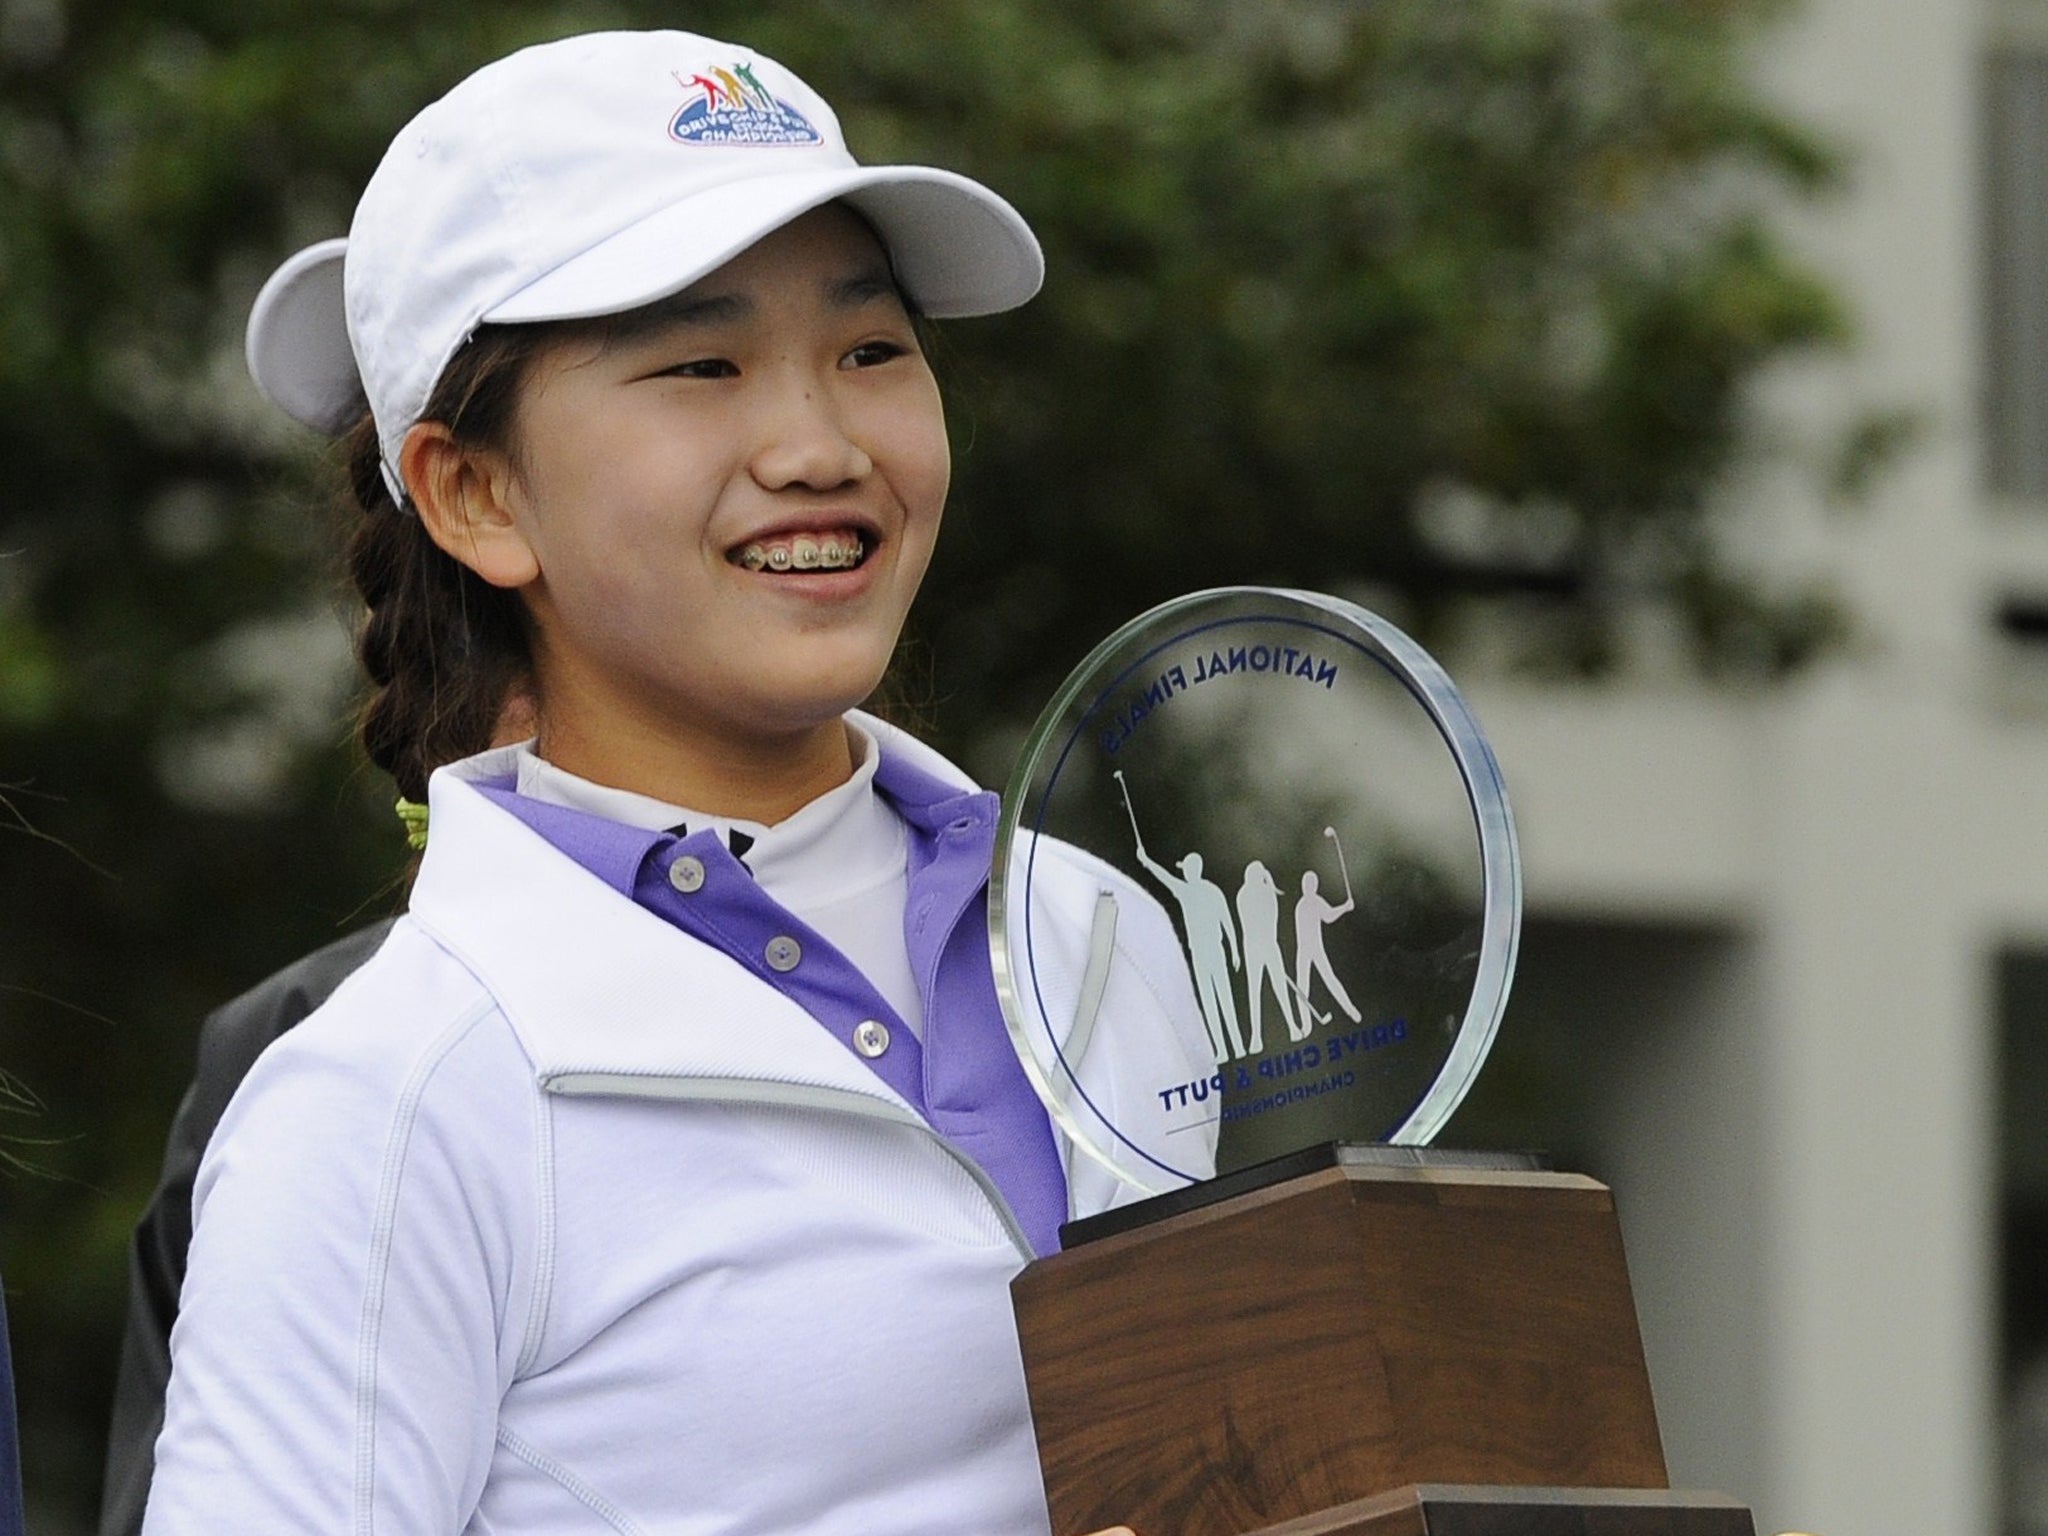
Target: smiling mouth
{"points": [[840, 551]]}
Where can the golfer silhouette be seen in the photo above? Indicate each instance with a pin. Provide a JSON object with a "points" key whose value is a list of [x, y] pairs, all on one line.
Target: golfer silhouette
{"points": [[1258, 917], [1205, 918], [1312, 914]]}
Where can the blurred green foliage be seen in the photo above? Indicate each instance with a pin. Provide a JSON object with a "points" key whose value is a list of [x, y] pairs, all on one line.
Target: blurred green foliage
{"points": [[1451, 301]]}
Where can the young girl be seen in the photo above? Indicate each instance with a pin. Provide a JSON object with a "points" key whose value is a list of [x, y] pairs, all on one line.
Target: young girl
{"points": [[666, 1168]]}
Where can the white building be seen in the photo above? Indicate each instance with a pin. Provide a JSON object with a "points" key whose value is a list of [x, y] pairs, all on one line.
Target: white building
{"points": [[1800, 939]]}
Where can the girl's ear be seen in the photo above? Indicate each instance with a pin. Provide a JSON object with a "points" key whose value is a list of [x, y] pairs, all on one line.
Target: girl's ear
{"points": [[463, 495]]}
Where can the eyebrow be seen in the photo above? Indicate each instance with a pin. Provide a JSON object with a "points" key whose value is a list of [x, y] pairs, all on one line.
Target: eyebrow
{"points": [[687, 309], [864, 287], [678, 310]]}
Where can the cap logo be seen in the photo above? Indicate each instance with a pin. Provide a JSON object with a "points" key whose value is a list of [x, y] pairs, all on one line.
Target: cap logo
{"points": [[731, 106]]}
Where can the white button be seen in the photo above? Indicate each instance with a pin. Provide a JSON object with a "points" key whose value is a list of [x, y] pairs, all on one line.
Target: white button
{"points": [[783, 953], [687, 874], [871, 1038]]}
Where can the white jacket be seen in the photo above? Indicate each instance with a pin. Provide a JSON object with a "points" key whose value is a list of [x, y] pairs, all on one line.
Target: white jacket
{"points": [[556, 1220]]}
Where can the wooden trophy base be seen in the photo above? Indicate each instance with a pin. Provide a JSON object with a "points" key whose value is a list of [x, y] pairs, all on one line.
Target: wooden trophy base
{"points": [[1321, 1356], [1440, 1510]]}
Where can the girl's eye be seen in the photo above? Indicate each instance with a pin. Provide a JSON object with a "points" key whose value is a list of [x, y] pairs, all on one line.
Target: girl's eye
{"points": [[870, 354], [702, 368]]}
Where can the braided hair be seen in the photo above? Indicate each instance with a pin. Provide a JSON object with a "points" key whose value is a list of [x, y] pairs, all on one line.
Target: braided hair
{"points": [[444, 650]]}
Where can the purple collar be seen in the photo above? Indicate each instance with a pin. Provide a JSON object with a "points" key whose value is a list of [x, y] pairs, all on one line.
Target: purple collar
{"points": [[963, 1077]]}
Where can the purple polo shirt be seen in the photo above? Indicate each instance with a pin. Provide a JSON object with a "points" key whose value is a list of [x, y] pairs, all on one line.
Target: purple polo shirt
{"points": [[964, 1076]]}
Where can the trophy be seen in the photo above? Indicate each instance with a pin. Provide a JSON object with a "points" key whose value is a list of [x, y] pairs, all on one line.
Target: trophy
{"points": [[1253, 917]]}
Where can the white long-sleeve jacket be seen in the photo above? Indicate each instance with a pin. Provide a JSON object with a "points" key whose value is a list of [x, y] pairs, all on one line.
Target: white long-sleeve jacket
{"points": [[556, 1220]]}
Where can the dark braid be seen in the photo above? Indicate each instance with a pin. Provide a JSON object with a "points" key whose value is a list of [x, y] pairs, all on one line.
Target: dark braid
{"points": [[443, 648]]}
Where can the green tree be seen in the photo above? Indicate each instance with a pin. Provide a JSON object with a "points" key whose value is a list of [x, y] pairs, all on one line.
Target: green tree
{"points": [[1454, 300]]}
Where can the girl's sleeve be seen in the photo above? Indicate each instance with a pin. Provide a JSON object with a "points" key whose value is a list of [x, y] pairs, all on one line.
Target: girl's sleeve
{"points": [[359, 1282]]}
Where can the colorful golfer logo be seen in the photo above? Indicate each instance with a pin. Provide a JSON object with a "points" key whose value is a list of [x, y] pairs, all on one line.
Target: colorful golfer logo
{"points": [[728, 107], [1218, 948]]}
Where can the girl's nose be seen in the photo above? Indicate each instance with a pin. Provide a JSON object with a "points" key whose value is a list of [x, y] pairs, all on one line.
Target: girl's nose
{"points": [[807, 446]]}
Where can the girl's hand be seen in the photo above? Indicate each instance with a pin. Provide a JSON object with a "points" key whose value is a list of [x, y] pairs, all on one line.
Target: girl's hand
{"points": [[1117, 1530]]}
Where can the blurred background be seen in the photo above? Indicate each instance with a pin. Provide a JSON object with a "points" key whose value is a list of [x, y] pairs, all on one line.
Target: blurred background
{"points": [[1677, 369]]}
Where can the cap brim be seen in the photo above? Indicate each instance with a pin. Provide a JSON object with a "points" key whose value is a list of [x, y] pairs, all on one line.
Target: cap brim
{"points": [[297, 342], [957, 248]]}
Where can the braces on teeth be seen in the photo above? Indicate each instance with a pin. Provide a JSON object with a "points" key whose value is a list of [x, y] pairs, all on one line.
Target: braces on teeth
{"points": [[804, 554]]}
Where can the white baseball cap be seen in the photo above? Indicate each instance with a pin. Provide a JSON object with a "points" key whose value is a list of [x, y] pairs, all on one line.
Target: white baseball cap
{"points": [[587, 177]]}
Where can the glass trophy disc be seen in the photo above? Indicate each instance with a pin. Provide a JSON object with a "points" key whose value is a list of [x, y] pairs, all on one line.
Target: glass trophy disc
{"points": [[1255, 889]]}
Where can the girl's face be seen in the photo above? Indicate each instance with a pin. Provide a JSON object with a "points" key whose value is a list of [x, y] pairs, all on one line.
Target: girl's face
{"points": [[719, 512]]}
